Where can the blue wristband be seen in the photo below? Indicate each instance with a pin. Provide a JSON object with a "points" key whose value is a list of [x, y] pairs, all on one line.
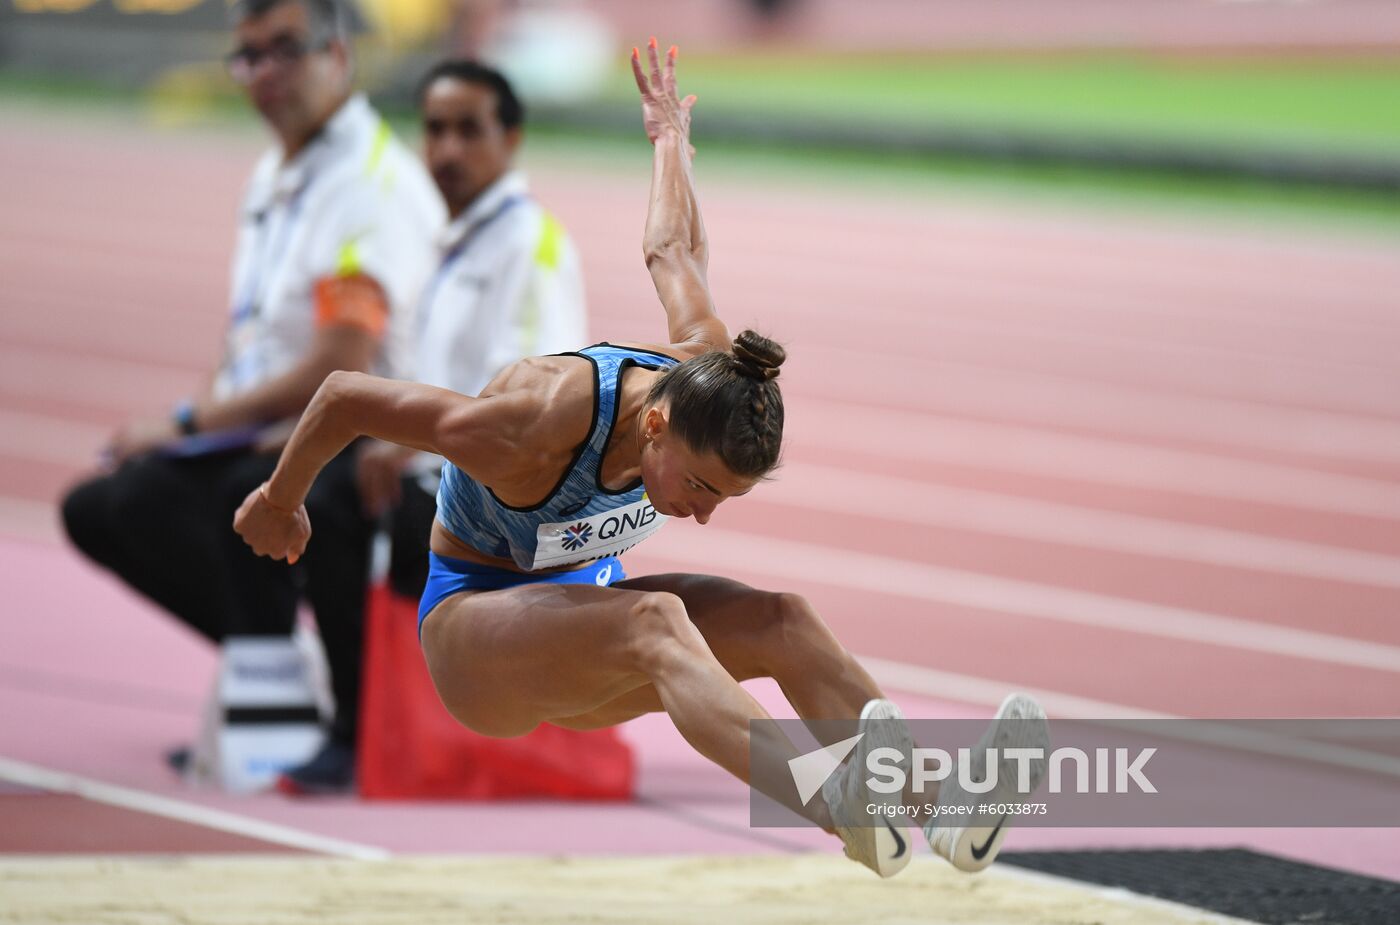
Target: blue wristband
{"points": [[183, 415]]}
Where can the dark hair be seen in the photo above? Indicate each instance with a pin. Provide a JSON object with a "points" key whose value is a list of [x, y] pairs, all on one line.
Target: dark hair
{"points": [[328, 19], [728, 403], [509, 109]]}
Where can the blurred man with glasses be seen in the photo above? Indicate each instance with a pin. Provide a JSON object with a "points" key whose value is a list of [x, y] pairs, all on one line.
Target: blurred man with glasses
{"points": [[335, 241], [508, 285]]}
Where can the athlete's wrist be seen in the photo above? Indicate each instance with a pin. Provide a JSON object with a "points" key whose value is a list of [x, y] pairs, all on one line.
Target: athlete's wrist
{"points": [[279, 508]]}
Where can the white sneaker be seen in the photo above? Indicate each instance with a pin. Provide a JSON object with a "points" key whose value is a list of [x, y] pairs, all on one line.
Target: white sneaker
{"points": [[881, 844], [970, 848]]}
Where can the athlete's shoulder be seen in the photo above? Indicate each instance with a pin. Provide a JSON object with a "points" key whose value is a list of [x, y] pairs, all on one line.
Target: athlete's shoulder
{"points": [[528, 420], [550, 394], [678, 352], [547, 376]]}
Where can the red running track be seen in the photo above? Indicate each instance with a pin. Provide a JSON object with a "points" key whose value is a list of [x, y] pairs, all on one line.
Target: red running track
{"points": [[1141, 462]]}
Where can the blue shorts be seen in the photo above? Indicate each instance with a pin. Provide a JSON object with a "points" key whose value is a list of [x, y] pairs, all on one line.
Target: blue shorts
{"points": [[448, 576]]}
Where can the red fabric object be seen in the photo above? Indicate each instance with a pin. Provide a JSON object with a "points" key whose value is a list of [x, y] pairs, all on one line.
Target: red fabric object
{"points": [[411, 747]]}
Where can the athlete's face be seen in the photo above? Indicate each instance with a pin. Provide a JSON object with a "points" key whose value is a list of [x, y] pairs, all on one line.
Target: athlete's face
{"points": [[466, 146], [293, 77], [679, 481]]}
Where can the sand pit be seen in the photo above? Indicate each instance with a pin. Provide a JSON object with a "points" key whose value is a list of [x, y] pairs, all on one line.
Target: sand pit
{"points": [[806, 890]]}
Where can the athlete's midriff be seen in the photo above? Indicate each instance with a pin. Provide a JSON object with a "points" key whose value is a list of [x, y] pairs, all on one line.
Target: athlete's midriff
{"points": [[443, 543]]}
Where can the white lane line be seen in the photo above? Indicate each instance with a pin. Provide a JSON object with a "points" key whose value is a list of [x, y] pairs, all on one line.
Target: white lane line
{"points": [[825, 426], [149, 268], [808, 562], [98, 382], [847, 492], [947, 685], [31, 775], [1129, 410], [130, 328], [1027, 289], [918, 437], [1349, 377], [1063, 244], [36, 521], [1055, 248], [1025, 292], [49, 439], [1035, 290], [56, 440]]}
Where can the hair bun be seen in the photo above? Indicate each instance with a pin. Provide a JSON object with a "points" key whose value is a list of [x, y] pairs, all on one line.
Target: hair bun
{"points": [[756, 356]]}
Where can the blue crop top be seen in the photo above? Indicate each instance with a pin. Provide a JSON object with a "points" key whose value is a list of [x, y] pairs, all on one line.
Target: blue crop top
{"points": [[580, 519]]}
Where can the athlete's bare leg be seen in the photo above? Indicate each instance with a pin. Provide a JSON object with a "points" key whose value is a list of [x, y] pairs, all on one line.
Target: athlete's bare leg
{"points": [[505, 661], [756, 634], [762, 634]]}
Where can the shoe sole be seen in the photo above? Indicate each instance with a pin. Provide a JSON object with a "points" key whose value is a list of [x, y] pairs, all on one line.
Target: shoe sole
{"points": [[976, 847], [893, 849]]}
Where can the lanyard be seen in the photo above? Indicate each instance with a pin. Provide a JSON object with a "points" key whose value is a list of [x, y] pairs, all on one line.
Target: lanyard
{"points": [[448, 259], [249, 304], [241, 361]]}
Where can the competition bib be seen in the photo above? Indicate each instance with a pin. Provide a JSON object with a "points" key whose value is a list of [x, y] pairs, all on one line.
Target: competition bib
{"points": [[607, 534]]}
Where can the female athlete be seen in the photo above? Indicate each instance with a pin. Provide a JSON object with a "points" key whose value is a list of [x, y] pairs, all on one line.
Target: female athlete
{"points": [[563, 462]]}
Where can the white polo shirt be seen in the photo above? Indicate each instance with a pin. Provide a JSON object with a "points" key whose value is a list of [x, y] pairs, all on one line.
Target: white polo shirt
{"points": [[507, 286], [353, 201]]}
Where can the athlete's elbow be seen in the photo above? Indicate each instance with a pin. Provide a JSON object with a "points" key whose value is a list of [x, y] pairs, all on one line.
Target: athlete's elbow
{"points": [[343, 384], [658, 251], [336, 389], [674, 260], [340, 381]]}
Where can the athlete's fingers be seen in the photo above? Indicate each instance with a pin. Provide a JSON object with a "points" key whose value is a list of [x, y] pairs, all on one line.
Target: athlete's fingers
{"points": [[637, 71], [656, 79], [296, 545], [671, 54], [688, 102]]}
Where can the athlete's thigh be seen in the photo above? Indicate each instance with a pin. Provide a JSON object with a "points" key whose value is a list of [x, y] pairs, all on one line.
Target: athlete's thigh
{"points": [[732, 616], [521, 655]]}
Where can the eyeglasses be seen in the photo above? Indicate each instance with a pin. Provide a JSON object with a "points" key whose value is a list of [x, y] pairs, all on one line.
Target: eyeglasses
{"points": [[283, 52]]}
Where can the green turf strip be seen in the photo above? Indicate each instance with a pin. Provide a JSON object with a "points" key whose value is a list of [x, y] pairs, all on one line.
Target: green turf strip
{"points": [[1347, 104], [1129, 189], [897, 175]]}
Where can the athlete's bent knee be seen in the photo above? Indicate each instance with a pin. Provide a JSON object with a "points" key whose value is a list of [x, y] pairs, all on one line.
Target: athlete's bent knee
{"points": [[794, 614], [791, 635], [658, 625]]}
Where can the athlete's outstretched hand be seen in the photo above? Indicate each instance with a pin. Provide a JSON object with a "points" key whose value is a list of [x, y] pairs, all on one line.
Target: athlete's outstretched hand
{"points": [[663, 111], [272, 531]]}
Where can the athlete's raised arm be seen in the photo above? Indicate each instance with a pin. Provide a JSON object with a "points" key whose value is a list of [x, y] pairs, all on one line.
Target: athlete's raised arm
{"points": [[674, 243], [478, 435]]}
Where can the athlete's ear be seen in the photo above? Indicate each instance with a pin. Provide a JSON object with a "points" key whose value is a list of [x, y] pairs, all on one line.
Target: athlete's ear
{"points": [[654, 423]]}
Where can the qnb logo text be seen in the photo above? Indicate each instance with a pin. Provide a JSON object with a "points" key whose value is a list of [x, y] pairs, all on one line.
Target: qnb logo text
{"points": [[1105, 771], [634, 520]]}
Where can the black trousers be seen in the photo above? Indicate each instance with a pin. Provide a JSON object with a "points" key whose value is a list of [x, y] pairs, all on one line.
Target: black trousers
{"points": [[165, 527], [410, 527]]}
